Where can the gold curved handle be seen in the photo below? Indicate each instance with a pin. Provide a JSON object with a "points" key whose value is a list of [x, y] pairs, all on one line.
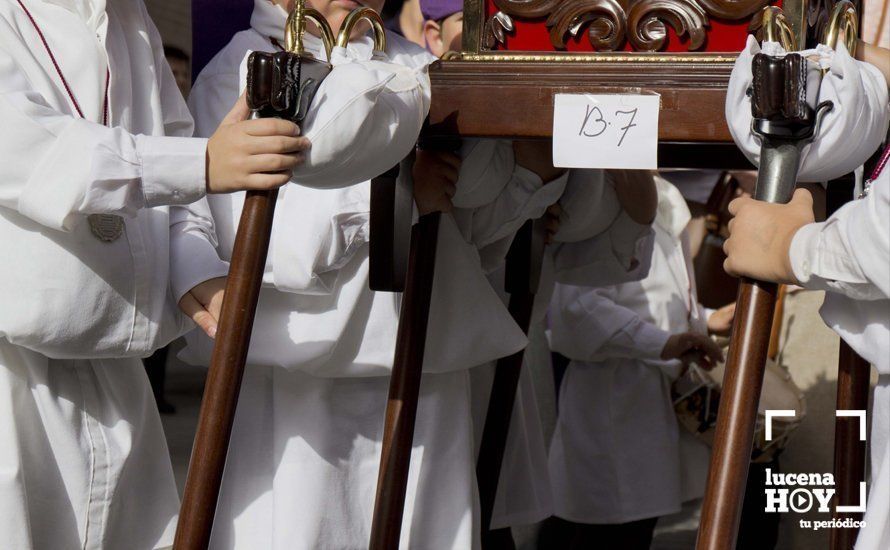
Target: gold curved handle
{"points": [[363, 14], [843, 18], [296, 28], [777, 29]]}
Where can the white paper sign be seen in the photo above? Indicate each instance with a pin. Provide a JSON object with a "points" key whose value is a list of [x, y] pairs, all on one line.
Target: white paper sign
{"points": [[606, 131]]}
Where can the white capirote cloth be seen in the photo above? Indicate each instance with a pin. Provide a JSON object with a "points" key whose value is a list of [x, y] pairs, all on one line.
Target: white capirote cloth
{"points": [[849, 133], [80, 438]]}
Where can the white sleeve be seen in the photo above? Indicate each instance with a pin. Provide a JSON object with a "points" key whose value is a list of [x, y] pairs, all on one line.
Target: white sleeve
{"points": [[60, 168], [589, 325], [620, 254], [858, 92], [485, 170], [524, 198], [365, 119], [589, 204], [849, 253], [193, 255]]}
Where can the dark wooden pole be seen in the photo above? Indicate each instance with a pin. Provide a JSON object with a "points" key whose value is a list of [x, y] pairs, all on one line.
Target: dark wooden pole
{"points": [[731, 455], [853, 379], [404, 388], [784, 123], [522, 275], [226, 370]]}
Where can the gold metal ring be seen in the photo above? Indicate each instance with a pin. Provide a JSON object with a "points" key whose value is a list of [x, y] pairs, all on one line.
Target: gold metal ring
{"points": [[296, 27], [363, 14], [843, 17], [777, 29]]}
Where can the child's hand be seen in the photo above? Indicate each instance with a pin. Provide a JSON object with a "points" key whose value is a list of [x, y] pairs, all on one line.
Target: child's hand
{"points": [[537, 157], [720, 321], [252, 154], [687, 345], [636, 193], [760, 236], [203, 304], [435, 180]]}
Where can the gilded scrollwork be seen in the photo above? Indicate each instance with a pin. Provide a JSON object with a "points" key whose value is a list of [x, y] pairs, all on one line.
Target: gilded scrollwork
{"points": [[647, 20], [612, 23]]}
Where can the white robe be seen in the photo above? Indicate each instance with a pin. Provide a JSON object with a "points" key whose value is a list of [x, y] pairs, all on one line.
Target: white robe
{"points": [[848, 255], [305, 450], [596, 244], [80, 437], [616, 452]]}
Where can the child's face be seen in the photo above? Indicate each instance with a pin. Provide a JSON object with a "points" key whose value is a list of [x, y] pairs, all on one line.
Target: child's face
{"points": [[335, 11], [446, 36]]}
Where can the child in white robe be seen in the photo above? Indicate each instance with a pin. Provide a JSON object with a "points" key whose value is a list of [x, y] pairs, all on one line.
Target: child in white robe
{"points": [[305, 451], [615, 458], [847, 255], [594, 244], [96, 163], [594, 241]]}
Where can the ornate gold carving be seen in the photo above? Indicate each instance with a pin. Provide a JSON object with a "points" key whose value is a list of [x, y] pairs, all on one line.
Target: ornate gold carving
{"points": [[647, 19], [583, 58], [610, 23]]}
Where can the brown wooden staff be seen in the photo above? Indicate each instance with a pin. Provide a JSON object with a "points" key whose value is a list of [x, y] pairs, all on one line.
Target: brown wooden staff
{"points": [[226, 370], [784, 123], [853, 382], [521, 282], [404, 388], [853, 379], [283, 85]]}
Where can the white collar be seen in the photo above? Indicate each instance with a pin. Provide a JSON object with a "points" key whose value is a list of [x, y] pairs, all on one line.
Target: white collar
{"points": [[91, 11]]}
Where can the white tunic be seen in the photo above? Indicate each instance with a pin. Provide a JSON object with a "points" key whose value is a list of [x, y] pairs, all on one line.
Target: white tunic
{"points": [[81, 438], [596, 244], [616, 454], [848, 255], [305, 450]]}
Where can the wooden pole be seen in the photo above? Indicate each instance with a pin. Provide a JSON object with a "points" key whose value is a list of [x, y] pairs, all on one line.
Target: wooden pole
{"points": [[853, 380], [776, 332], [523, 269], [784, 124], [404, 389], [731, 455], [226, 370]]}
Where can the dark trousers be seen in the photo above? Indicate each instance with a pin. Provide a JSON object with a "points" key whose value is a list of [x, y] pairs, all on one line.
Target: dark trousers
{"points": [[559, 534], [156, 369]]}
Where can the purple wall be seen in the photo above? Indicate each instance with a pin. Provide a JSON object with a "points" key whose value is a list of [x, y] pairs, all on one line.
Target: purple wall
{"points": [[213, 24]]}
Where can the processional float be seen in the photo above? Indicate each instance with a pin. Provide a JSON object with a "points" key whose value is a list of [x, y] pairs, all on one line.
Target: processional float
{"points": [[502, 84]]}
